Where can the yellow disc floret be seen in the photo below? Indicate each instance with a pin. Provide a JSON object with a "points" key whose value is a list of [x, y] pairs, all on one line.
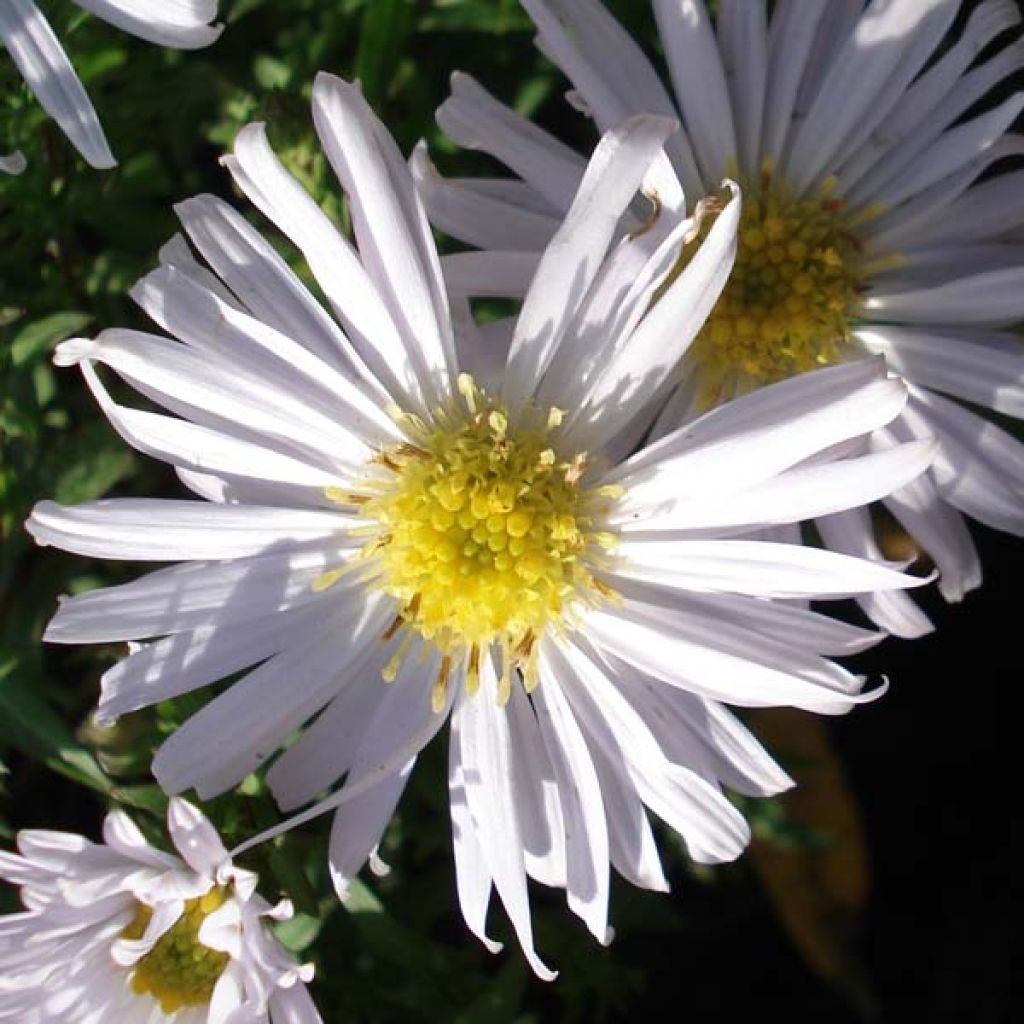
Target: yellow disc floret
{"points": [[483, 534], [790, 300], [179, 970]]}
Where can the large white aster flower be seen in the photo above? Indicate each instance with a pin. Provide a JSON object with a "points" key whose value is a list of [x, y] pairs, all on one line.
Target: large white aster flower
{"points": [[121, 932], [389, 541], [867, 224], [35, 49]]}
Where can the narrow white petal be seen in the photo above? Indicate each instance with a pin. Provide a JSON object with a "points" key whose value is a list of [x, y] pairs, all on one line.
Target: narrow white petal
{"points": [[979, 368], [641, 363], [790, 37], [798, 494], [488, 213], [487, 763], [699, 82], [573, 258], [187, 661], [474, 119], [334, 263], [395, 244], [39, 57], [586, 830], [851, 532], [715, 674], [237, 731], [743, 40], [856, 77], [327, 749], [472, 875], [162, 529], [753, 567], [713, 829], [611, 73], [538, 803], [183, 24], [994, 298], [189, 596], [359, 824], [194, 837]]}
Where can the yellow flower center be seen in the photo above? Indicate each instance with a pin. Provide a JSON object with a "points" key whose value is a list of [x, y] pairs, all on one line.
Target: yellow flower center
{"points": [[482, 533], [792, 295], [179, 970]]}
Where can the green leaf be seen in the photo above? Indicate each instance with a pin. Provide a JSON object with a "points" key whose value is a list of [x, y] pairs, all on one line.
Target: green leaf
{"points": [[28, 723], [386, 25], [37, 338], [86, 465]]}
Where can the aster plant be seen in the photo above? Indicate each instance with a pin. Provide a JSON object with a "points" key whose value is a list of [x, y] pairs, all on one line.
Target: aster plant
{"points": [[120, 931], [387, 543], [869, 225]]}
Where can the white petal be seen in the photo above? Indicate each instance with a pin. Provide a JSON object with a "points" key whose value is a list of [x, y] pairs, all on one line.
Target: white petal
{"points": [[474, 119], [215, 394], [487, 764], [713, 829], [237, 731], [538, 804], [968, 365], [183, 24], [334, 263], [753, 567], [266, 285], [395, 244], [327, 748], [743, 40], [483, 212], [472, 875], [884, 37], [586, 830], [791, 35], [640, 364], [851, 532], [205, 323], [611, 73], [573, 258], [756, 436], [716, 674], [194, 837], [190, 446], [800, 493], [994, 298], [359, 824], [162, 529], [46, 69], [187, 661], [699, 81], [500, 274]]}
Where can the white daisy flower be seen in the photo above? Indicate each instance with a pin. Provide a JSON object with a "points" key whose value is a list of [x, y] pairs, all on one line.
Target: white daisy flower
{"points": [[389, 541], [122, 932], [38, 55], [866, 228]]}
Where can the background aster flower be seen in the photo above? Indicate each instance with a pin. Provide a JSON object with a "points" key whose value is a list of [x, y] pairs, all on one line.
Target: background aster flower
{"points": [[387, 541], [865, 225], [32, 45], [121, 931]]}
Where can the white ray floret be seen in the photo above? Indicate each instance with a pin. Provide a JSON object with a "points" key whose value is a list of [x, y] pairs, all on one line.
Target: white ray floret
{"points": [[39, 56], [387, 544], [120, 931], [869, 225]]}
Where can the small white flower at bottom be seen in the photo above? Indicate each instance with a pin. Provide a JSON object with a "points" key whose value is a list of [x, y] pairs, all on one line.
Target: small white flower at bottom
{"points": [[120, 931]]}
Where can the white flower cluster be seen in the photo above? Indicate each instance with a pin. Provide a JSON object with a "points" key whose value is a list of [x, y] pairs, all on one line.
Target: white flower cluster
{"points": [[571, 538]]}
